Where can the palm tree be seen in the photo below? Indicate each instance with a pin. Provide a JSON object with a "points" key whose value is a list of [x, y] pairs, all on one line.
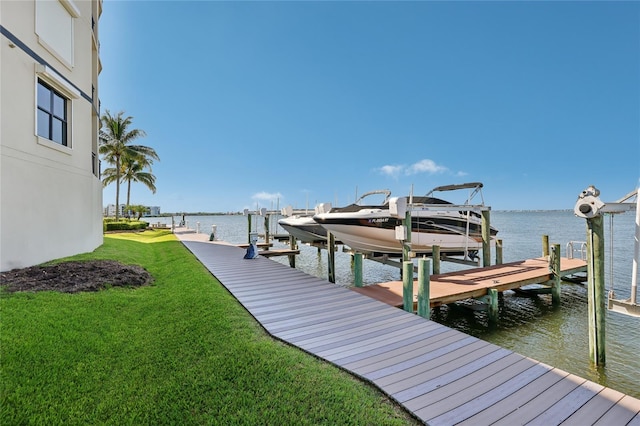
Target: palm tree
{"points": [[115, 145], [133, 169]]}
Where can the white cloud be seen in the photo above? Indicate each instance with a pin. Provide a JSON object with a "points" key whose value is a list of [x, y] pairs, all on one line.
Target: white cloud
{"points": [[392, 171], [425, 166], [266, 196]]}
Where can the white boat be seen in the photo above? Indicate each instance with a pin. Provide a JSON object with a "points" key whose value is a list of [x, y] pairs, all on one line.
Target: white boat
{"points": [[304, 228], [456, 229]]}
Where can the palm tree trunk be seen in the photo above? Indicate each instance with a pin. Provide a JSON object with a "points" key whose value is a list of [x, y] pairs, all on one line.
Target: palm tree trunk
{"points": [[117, 188]]}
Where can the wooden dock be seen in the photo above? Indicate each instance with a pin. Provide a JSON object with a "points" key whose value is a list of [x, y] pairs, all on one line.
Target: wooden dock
{"points": [[441, 375], [473, 283]]}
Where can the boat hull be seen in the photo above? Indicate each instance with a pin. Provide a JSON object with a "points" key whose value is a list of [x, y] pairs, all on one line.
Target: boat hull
{"points": [[304, 229]]}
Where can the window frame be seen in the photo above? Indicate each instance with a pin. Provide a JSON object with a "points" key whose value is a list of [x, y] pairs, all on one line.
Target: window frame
{"points": [[53, 133], [49, 77]]}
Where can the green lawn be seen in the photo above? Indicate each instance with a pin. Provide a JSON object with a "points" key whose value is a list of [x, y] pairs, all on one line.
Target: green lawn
{"points": [[181, 351]]}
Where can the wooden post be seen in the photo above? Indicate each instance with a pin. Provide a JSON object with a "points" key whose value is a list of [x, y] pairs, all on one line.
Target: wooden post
{"points": [[406, 246], [486, 238], [266, 228], [545, 245], [249, 228], [435, 254], [554, 266], [492, 309], [293, 245], [596, 289], [407, 286], [424, 307], [357, 269], [498, 252], [331, 256]]}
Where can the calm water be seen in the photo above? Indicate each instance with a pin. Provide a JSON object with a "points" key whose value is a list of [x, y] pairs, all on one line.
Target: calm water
{"points": [[527, 325]]}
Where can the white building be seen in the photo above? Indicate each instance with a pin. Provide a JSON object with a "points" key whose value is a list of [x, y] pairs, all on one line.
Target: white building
{"points": [[110, 210], [50, 189], [153, 211]]}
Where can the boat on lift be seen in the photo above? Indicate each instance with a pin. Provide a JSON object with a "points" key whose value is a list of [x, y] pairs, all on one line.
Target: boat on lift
{"points": [[304, 228], [455, 228]]}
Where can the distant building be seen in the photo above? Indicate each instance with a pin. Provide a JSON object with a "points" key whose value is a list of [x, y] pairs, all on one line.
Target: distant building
{"points": [[110, 210], [50, 188]]}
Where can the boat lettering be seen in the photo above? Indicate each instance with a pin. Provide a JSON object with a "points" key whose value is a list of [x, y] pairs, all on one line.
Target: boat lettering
{"points": [[379, 220]]}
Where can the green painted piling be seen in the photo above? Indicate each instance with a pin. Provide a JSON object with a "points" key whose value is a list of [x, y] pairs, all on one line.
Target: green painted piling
{"points": [[357, 269], [435, 254], [596, 289], [498, 252], [406, 246], [424, 281], [407, 286], [492, 309]]}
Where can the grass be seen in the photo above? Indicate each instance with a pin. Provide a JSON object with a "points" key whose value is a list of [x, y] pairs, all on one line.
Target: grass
{"points": [[181, 351]]}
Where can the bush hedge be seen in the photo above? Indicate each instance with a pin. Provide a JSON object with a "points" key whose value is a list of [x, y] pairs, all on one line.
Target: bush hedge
{"points": [[124, 225]]}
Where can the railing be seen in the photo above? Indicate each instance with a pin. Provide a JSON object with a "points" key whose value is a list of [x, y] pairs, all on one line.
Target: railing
{"points": [[571, 249]]}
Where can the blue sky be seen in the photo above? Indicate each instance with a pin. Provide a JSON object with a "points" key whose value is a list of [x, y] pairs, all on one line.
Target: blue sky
{"points": [[266, 104]]}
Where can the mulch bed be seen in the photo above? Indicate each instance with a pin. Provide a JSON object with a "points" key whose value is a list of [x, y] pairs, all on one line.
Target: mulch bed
{"points": [[73, 277]]}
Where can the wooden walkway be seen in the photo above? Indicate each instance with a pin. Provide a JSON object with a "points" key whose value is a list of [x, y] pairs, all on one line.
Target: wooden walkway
{"points": [[442, 376], [470, 283]]}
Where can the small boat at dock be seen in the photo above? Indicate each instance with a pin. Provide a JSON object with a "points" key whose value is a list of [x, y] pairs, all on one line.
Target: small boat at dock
{"points": [[304, 228], [456, 229]]}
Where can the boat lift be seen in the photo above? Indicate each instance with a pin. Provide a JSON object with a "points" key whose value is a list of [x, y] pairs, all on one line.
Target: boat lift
{"points": [[589, 206]]}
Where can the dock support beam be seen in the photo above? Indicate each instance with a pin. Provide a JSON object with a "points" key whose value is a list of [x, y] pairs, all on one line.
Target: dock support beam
{"points": [[407, 286], [424, 281], [596, 289], [545, 245], [498, 252]]}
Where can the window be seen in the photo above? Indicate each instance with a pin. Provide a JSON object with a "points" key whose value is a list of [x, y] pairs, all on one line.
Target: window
{"points": [[52, 114]]}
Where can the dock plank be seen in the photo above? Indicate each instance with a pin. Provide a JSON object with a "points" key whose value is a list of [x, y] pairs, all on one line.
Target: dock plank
{"points": [[441, 375]]}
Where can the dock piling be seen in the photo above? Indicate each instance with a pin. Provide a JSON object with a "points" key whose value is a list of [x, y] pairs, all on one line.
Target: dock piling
{"points": [[554, 267], [331, 254], [424, 307], [596, 289], [407, 285], [486, 238], [435, 255], [357, 269]]}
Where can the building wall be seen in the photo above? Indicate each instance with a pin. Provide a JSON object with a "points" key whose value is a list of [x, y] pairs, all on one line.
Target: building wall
{"points": [[50, 195]]}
